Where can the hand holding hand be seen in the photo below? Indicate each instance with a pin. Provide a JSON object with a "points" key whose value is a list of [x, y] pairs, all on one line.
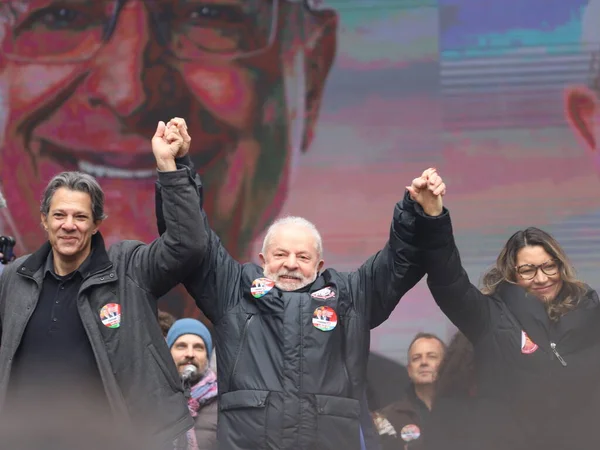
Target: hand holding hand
{"points": [[178, 125], [427, 190], [166, 145]]}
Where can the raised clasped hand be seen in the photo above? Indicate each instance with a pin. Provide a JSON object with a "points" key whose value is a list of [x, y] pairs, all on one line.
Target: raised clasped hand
{"points": [[177, 126], [428, 190]]}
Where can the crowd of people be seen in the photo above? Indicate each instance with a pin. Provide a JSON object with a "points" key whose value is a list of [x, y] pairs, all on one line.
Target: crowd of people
{"points": [[83, 341]]}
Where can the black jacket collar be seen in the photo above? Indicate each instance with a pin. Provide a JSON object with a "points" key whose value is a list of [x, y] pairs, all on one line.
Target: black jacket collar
{"points": [[99, 258], [574, 330]]}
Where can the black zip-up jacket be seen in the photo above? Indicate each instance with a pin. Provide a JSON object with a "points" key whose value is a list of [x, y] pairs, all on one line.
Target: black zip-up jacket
{"points": [[283, 383], [140, 380], [537, 381]]}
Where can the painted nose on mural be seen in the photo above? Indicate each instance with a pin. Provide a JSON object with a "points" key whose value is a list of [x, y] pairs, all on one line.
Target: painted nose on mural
{"points": [[169, 93], [165, 95]]}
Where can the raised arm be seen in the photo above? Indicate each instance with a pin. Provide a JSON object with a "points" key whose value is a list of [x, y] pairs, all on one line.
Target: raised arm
{"points": [[383, 279], [213, 276], [161, 265], [462, 302]]}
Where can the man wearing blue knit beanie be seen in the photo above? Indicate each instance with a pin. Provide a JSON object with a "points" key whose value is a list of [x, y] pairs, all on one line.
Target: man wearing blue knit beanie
{"points": [[191, 346]]}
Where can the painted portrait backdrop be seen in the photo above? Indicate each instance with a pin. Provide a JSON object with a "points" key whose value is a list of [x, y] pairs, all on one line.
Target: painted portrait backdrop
{"points": [[320, 109]]}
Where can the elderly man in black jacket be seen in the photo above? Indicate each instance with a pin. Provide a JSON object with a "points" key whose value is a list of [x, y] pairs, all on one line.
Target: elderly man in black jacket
{"points": [[292, 338], [79, 321]]}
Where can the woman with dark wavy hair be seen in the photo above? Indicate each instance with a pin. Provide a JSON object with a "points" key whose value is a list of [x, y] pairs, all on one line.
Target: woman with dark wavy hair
{"points": [[455, 393], [456, 374], [545, 281], [535, 330]]}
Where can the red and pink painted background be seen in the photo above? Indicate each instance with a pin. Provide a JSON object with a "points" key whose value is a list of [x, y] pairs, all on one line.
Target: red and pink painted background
{"points": [[320, 109]]}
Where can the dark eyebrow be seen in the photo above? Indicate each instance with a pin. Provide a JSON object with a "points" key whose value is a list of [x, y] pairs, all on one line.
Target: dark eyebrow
{"points": [[536, 265], [76, 213]]}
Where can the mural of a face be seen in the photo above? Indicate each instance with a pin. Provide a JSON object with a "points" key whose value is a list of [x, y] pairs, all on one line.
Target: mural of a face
{"points": [[88, 80]]}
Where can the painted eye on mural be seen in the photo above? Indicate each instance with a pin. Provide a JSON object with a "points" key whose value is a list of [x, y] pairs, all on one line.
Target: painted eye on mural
{"points": [[209, 15], [61, 15], [47, 29], [221, 26], [56, 18]]}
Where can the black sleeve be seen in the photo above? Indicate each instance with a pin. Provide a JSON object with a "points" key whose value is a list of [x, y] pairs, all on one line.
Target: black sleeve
{"points": [[162, 264], [184, 162], [378, 284], [462, 302], [213, 280]]}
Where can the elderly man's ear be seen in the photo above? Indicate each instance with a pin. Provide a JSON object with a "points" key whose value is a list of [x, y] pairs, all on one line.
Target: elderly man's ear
{"points": [[580, 109]]}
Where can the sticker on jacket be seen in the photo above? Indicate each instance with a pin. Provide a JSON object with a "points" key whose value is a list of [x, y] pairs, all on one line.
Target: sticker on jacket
{"points": [[110, 315], [383, 426], [324, 318], [323, 294], [261, 286], [527, 345], [410, 432]]}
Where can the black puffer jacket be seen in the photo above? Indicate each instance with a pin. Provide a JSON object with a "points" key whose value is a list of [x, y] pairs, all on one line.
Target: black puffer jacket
{"points": [[537, 381], [284, 383]]}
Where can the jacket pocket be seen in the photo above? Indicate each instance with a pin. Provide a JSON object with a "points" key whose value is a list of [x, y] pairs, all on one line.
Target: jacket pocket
{"points": [[338, 422], [243, 419], [171, 377]]}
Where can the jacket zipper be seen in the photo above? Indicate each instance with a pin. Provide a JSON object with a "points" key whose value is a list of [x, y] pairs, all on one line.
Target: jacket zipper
{"points": [[560, 358], [344, 365], [240, 348]]}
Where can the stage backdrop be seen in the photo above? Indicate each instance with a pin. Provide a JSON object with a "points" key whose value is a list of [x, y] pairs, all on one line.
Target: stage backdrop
{"points": [[320, 109]]}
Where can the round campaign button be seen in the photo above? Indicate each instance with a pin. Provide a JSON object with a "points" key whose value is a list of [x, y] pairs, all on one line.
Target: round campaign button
{"points": [[527, 345], [410, 432], [324, 318], [261, 286], [110, 315]]}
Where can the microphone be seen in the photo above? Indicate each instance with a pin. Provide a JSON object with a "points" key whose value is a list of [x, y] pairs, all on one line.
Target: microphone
{"points": [[189, 372], [2, 200]]}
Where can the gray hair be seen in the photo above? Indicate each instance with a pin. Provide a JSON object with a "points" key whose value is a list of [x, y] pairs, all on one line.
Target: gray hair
{"points": [[295, 221], [75, 181]]}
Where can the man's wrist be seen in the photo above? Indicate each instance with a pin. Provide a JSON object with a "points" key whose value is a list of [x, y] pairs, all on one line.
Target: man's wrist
{"points": [[166, 165], [433, 212]]}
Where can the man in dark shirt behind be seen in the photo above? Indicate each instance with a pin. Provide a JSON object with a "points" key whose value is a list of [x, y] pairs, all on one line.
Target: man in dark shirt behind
{"points": [[78, 320], [401, 424]]}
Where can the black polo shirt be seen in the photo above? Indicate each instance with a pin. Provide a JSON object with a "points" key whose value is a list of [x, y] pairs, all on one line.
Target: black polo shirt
{"points": [[420, 407], [55, 351]]}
